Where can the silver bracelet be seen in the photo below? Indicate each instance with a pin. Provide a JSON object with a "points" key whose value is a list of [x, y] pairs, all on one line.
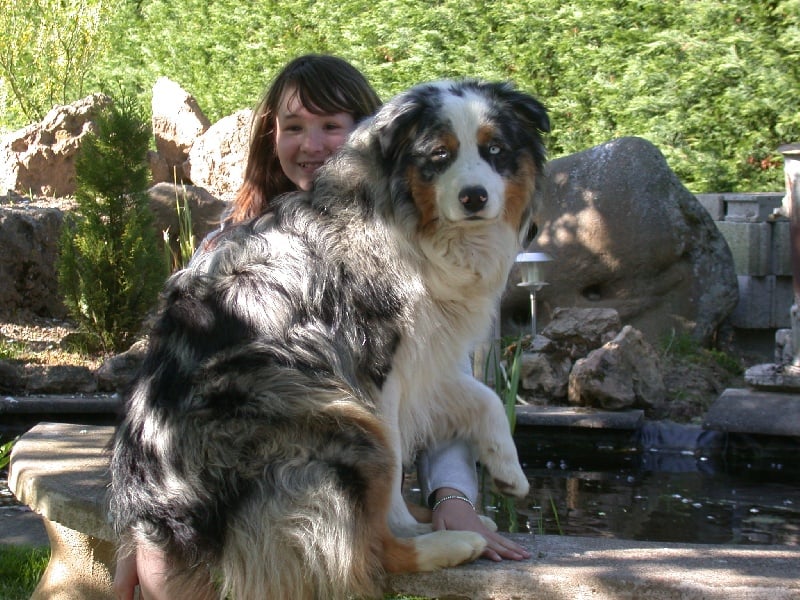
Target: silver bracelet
{"points": [[452, 497]]}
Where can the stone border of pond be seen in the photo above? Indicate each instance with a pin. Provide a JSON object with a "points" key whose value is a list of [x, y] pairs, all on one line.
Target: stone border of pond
{"points": [[60, 470]]}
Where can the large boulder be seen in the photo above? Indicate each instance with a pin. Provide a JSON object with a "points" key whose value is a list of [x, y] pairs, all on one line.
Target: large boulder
{"points": [[624, 233], [217, 158], [177, 122], [28, 253], [40, 158]]}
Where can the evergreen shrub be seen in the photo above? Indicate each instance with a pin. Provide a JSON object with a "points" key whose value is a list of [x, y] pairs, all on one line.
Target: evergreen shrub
{"points": [[111, 268]]}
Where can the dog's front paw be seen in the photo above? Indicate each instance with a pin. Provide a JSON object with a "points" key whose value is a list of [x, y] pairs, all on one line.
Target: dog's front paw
{"points": [[410, 529], [488, 523], [442, 549], [510, 481]]}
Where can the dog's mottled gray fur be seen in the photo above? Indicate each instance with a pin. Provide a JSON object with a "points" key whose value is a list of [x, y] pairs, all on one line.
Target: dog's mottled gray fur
{"points": [[295, 366]]}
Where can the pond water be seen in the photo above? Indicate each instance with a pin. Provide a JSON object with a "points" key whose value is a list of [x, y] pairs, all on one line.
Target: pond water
{"points": [[669, 483]]}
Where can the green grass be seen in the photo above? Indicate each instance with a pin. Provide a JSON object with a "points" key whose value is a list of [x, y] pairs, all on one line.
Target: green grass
{"points": [[682, 346], [10, 350], [20, 570]]}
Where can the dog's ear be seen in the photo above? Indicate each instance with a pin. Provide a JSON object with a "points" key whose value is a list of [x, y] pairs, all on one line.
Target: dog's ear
{"points": [[530, 113], [398, 121], [528, 109]]}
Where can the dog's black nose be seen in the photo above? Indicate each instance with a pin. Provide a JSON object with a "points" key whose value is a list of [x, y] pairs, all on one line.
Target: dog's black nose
{"points": [[473, 198]]}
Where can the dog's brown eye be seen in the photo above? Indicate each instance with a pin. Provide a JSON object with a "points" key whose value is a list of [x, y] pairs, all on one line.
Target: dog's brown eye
{"points": [[440, 154]]}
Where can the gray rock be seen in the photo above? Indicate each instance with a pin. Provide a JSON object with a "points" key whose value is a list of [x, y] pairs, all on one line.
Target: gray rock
{"points": [[60, 379], [572, 334], [117, 372], [217, 158], [624, 233], [12, 378], [28, 253], [576, 331], [544, 377], [205, 208], [621, 374]]}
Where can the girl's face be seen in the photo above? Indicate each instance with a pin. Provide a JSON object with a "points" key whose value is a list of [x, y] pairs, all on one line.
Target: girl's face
{"points": [[304, 139]]}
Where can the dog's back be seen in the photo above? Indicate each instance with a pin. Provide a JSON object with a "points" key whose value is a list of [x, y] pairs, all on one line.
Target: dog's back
{"points": [[254, 450]]}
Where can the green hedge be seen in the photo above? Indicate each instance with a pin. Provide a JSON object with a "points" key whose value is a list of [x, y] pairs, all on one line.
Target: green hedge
{"points": [[713, 84]]}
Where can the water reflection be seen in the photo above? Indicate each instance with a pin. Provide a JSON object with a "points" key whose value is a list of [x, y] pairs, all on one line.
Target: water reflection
{"points": [[669, 483]]}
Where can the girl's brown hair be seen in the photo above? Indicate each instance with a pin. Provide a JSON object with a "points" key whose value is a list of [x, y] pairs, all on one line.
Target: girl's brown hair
{"points": [[324, 85]]}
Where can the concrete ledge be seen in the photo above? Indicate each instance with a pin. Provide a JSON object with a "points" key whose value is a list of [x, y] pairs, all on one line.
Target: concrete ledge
{"points": [[564, 416], [600, 568], [758, 412], [60, 470]]}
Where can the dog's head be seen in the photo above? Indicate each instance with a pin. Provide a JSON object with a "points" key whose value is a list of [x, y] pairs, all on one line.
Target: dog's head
{"points": [[461, 151]]}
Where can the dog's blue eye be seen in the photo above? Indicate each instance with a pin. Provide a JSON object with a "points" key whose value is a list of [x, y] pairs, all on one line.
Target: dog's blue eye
{"points": [[495, 149]]}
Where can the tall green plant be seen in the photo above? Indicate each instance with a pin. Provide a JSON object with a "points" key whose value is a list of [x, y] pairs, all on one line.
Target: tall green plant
{"points": [[110, 269], [506, 384]]}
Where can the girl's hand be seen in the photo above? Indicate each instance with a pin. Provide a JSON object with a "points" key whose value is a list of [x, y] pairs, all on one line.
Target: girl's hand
{"points": [[458, 515]]}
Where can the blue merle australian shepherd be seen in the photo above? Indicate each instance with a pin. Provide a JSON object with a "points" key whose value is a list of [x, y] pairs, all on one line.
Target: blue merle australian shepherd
{"points": [[295, 367]]}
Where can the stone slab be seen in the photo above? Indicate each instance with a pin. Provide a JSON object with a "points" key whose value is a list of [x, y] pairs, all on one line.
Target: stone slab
{"points": [[60, 470], [764, 302], [750, 245], [565, 416], [751, 206], [773, 378], [755, 412], [606, 569]]}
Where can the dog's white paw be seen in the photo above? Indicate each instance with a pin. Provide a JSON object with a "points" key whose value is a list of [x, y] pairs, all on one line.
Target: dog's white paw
{"points": [[442, 549], [509, 479], [412, 529], [488, 523]]}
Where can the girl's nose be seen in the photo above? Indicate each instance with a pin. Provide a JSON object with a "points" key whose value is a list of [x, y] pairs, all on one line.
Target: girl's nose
{"points": [[312, 141]]}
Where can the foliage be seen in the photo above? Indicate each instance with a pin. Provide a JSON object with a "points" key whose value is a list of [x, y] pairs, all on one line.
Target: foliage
{"points": [[5, 453], [683, 346], [110, 270], [20, 570], [47, 51], [712, 84], [10, 349], [186, 240]]}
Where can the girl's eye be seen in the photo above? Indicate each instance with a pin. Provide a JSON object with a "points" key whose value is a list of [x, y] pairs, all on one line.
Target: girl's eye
{"points": [[440, 154]]}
